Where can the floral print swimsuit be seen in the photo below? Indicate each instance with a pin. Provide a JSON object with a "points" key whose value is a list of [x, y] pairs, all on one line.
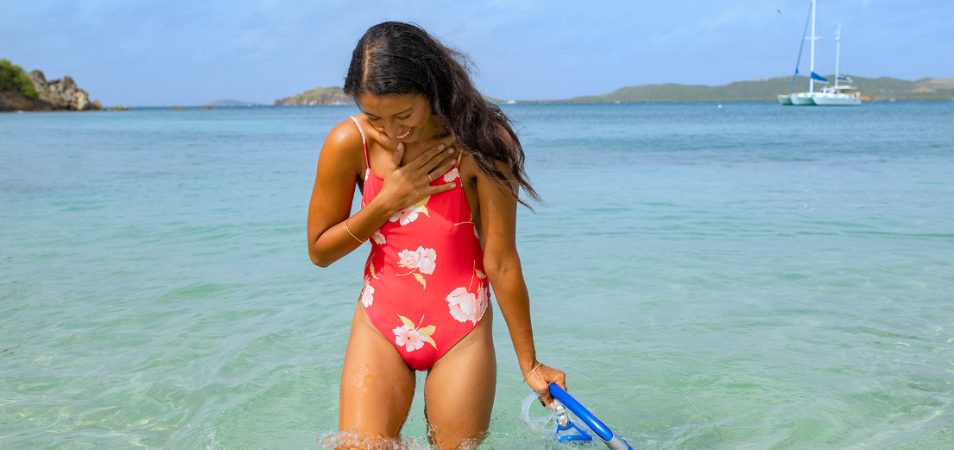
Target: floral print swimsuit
{"points": [[424, 285]]}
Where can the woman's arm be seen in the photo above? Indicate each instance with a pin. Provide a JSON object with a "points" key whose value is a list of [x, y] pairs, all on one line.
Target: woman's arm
{"points": [[332, 234], [498, 220], [339, 166]]}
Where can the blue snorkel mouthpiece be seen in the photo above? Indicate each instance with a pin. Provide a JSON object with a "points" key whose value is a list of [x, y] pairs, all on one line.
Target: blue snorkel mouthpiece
{"points": [[563, 399], [567, 431]]}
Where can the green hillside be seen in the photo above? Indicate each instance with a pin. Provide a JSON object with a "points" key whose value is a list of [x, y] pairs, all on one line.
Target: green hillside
{"points": [[767, 89], [317, 96]]}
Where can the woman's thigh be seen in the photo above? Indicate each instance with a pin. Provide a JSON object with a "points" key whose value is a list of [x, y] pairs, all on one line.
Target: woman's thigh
{"points": [[459, 390], [377, 387]]}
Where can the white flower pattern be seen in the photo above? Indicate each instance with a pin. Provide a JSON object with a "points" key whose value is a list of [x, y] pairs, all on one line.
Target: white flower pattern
{"points": [[411, 337], [465, 306], [422, 259], [367, 294], [408, 337], [451, 175], [409, 214], [406, 215], [379, 238]]}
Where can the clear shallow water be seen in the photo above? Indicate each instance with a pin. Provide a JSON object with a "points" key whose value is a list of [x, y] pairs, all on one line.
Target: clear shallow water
{"points": [[745, 277]]}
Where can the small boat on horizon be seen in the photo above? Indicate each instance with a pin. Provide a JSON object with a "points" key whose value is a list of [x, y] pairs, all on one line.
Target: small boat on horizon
{"points": [[837, 95]]}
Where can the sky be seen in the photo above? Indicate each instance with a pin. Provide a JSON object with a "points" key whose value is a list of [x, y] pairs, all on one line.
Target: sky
{"points": [[156, 53]]}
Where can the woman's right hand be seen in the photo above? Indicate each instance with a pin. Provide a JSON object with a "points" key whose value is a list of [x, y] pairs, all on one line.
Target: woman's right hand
{"points": [[539, 380], [411, 183]]}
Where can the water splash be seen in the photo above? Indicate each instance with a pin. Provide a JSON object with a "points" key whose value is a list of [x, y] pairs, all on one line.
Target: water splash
{"points": [[332, 440], [338, 439]]}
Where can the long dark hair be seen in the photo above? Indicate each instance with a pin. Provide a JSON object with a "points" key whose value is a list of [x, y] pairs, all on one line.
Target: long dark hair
{"points": [[400, 58]]}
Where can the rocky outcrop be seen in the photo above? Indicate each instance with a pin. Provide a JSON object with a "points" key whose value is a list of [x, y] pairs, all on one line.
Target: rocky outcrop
{"points": [[62, 93], [15, 101]]}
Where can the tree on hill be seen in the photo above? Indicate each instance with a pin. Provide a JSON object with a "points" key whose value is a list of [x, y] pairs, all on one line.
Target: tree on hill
{"points": [[14, 79]]}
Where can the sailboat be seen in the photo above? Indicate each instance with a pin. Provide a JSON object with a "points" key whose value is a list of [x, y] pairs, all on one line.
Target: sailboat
{"points": [[806, 98], [838, 95]]}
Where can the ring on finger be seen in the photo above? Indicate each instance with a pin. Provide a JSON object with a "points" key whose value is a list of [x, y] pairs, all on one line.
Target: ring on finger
{"points": [[429, 178]]}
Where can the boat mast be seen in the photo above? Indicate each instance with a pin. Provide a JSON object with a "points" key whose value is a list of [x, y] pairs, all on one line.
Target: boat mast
{"points": [[811, 79], [837, 53], [801, 48]]}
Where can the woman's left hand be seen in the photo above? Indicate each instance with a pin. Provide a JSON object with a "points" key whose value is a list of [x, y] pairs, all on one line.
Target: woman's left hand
{"points": [[541, 377]]}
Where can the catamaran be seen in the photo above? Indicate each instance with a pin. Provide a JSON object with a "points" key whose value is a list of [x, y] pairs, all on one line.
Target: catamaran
{"points": [[829, 96], [838, 95], [802, 98], [805, 98]]}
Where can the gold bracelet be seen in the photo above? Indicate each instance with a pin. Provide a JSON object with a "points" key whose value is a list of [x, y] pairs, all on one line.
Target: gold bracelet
{"points": [[352, 234], [532, 370]]}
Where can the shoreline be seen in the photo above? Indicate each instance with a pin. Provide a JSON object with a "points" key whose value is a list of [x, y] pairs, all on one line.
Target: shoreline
{"points": [[206, 108]]}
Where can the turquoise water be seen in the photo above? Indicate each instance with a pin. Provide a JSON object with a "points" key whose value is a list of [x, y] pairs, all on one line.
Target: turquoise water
{"points": [[748, 276]]}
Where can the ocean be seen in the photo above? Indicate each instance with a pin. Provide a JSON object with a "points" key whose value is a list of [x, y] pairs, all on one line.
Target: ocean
{"points": [[709, 276]]}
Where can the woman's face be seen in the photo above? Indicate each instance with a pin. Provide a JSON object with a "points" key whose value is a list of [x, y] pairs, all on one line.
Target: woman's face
{"points": [[401, 117]]}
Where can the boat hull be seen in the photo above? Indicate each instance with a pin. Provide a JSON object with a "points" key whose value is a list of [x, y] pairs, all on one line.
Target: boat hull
{"points": [[802, 99], [836, 100], [784, 99]]}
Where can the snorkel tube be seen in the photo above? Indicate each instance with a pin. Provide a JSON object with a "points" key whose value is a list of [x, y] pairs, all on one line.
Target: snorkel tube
{"points": [[605, 434]]}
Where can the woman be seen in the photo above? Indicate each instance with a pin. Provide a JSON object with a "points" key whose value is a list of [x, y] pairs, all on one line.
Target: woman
{"points": [[440, 169]]}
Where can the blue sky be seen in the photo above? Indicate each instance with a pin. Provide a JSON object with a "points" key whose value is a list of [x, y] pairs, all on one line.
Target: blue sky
{"points": [[191, 52]]}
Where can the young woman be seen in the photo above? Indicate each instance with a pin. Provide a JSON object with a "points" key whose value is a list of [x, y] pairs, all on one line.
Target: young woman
{"points": [[440, 169]]}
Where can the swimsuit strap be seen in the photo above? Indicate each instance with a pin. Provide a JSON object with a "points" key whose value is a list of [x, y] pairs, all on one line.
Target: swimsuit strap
{"points": [[364, 142]]}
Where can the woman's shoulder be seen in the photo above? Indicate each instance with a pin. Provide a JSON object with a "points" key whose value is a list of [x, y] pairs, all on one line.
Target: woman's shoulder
{"points": [[343, 148], [344, 135]]}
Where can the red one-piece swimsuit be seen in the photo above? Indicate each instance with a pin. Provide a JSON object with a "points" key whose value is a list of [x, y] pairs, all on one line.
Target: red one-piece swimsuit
{"points": [[424, 284]]}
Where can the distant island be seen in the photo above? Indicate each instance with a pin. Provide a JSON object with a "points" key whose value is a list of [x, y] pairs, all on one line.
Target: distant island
{"points": [[883, 88], [232, 103], [317, 96], [20, 91]]}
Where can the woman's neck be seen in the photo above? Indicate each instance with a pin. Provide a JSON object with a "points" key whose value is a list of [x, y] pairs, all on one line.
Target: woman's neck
{"points": [[433, 129]]}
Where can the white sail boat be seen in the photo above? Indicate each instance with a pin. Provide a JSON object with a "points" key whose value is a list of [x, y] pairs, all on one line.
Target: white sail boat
{"points": [[806, 98], [838, 95]]}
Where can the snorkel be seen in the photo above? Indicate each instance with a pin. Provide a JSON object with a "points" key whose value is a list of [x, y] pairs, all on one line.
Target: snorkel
{"points": [[566, 429], [564, 399]]}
